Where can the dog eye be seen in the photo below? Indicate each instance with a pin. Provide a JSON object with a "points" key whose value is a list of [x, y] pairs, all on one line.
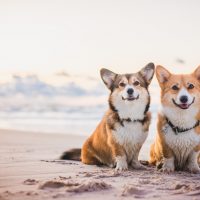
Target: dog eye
{"points": [[136, 83], [122, 84], [190, 86], [175, 87]]}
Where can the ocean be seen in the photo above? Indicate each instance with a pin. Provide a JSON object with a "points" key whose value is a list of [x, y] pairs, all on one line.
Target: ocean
{"points": [[32, 105], [73, 121]]}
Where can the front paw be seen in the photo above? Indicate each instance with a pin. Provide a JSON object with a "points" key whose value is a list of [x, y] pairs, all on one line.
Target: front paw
{"points": [[168, 165], [121, 167], [193, 168], [167, 169], [121, 164], [137, 165]]}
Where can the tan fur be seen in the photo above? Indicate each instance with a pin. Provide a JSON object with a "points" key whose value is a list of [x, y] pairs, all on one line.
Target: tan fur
{"points": [[111, 143], [159, 149], [118, 138], [101, 147]]}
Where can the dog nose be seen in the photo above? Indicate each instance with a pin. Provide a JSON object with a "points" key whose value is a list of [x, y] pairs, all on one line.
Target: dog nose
{"points": [[183, 99], [130, 91]]}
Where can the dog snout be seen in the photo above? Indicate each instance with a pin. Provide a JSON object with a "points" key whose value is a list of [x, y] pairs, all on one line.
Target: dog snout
{"points": [[130, 91], [184, 99]]}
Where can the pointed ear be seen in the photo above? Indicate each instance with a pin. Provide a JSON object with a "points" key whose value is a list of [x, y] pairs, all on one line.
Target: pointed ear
{"points": [[147, 72], [108, 77], [162, 74], [197, 73]]}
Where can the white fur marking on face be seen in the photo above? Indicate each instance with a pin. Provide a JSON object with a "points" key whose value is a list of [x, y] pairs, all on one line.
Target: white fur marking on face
{"points": [[131, 109], [184, 92], [125, 94]]}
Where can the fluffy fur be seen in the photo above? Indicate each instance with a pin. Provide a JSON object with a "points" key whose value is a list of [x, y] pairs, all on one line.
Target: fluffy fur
{"points": [[118, 138], [177, 146]]}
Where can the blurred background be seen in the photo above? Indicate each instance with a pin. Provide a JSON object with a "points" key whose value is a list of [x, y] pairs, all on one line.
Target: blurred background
{"points": [[51, 53]]}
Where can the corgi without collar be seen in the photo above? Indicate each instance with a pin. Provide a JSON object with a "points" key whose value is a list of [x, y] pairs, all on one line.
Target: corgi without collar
{"points": [[118, 138], [177, 143]]}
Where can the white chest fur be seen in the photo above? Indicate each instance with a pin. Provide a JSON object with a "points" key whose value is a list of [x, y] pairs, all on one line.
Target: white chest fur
{"points": [[181, 118], [131, 136], [181, 144]]}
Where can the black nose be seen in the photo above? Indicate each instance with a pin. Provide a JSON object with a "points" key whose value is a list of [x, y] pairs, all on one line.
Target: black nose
{"points": [[184, 99], [130, 91]]}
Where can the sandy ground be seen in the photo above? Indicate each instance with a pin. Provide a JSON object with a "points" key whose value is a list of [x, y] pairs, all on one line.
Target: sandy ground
{"points": [[29, 170]]}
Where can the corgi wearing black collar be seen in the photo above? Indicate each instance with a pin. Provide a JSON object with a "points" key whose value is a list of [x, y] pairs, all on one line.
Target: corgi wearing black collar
{"points": [[177, 142], [118, 138]]}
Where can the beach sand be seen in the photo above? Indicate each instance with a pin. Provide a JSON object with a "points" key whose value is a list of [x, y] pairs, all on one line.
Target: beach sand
{"points": [[30, 169]]}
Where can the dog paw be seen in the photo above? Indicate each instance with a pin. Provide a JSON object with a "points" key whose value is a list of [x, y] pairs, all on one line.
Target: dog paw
{"points": [[121, 165], [121, 168], [168, 165], [111, 165], [138, 166], [194, 169], [167, 169]]}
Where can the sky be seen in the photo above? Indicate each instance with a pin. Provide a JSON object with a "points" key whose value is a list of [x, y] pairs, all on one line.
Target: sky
{"points": [[81, 36]]}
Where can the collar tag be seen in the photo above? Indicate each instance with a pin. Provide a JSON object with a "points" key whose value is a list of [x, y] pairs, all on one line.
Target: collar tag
{"points": [[176, 131], [165, 127]]}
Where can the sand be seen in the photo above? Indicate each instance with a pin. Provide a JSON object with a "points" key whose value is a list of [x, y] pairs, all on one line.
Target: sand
{"points": [[29, 169]]}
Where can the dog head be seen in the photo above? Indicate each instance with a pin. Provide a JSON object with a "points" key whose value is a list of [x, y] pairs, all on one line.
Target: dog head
{"points": [[180, 91], [128, 89]]}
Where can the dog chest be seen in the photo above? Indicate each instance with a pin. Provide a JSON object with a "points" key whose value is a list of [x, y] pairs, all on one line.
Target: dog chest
{"points": [[131, 136], [181, 143]]}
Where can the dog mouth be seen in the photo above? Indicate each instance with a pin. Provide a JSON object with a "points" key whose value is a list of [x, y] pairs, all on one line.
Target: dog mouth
{"points": [[183, 106], [130, 98]]}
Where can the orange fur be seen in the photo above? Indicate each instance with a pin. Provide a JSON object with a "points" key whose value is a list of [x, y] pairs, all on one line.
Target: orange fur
{"points": [[159, 148], [101, 147], [118, 138]]}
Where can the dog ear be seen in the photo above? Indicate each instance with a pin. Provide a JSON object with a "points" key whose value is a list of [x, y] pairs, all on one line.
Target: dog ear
{"points": [[108, 77], [147, 72], [162, 74], [197, 73]]}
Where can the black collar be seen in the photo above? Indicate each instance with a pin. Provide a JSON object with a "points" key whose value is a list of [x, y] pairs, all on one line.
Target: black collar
{"points": [[121, 121], [177, 130], [142, 121]]}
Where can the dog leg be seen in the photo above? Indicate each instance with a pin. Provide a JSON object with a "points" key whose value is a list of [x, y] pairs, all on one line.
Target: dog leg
{"points": [[121, 163], [192, 165], [119, 156], [168, 165], [135, 164]]}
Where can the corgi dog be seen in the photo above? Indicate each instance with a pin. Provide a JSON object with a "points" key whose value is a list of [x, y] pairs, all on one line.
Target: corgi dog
{"points": [[177, 142], [118, 138]]}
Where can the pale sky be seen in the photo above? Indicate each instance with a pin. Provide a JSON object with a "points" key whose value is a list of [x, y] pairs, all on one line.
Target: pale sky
{"points": [[80, 36]]}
